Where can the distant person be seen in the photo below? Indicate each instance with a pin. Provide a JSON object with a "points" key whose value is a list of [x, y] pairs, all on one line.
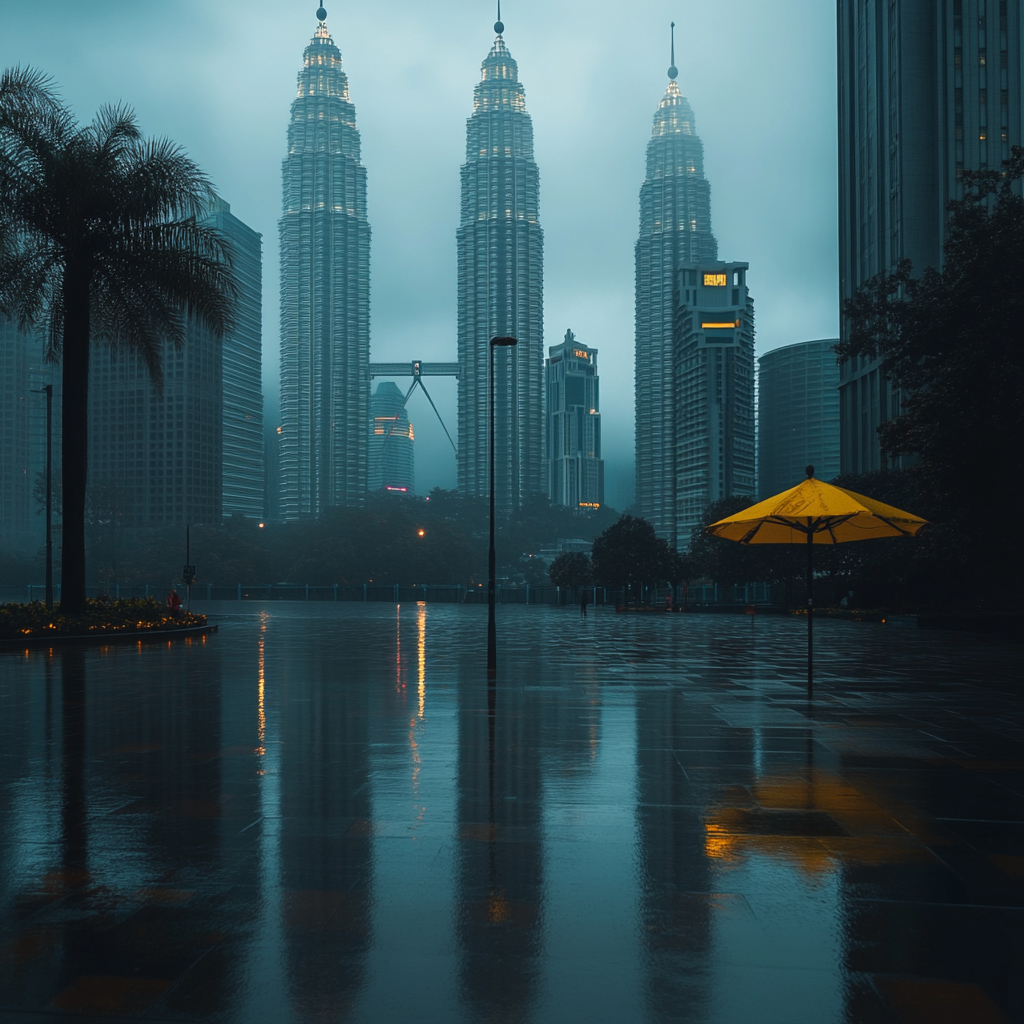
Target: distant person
{"points": [[173, 603], [583, 605]]}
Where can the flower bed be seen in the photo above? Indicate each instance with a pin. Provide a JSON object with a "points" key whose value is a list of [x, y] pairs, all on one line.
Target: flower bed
{"points": [[101, 618]]}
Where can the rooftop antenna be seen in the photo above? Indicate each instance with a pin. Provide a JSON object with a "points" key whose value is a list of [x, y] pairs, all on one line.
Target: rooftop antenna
{"points": [[498, 26], [673, 71]]}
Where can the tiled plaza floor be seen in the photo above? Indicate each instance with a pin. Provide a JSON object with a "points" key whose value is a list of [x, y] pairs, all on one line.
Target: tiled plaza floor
{"points": [[316, 815]]}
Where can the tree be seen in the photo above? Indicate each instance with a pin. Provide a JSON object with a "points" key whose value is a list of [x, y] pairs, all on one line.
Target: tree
{"points": [[571, 569], [99, 241], [629, 553], [949, 341]]}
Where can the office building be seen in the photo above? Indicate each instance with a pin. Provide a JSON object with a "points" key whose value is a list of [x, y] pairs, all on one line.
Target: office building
{"points": [[712, 430], [242, 474], [325, 293], [392, 455], [18, 349], [155, 454], [573, 436], [928, 89], [675, 230], [500, 289], [797, 415]]}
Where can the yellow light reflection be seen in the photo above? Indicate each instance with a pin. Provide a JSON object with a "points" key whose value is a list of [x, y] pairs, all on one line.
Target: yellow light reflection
{"points": [[261, 716], [421, 652]]}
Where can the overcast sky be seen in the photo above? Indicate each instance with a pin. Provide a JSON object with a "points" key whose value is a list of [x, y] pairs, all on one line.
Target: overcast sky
{"points": [[219, 79]]}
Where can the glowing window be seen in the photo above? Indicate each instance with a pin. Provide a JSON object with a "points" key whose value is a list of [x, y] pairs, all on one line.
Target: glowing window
{"points": [[715, 280]]}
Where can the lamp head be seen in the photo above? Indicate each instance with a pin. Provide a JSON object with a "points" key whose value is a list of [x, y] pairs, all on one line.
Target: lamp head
{"points": [[504, 341]]}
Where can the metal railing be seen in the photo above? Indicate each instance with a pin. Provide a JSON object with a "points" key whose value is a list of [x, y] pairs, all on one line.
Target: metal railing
{"points": [[750, 594]]}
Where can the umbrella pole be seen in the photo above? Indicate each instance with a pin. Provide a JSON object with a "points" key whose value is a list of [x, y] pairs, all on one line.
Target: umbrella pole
{"points": [[810, 608]]}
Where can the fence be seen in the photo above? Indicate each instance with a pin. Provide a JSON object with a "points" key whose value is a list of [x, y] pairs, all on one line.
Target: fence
{"points": [[706, 595]]}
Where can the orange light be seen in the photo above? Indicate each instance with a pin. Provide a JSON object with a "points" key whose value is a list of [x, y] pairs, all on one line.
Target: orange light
{"points": [[261, 526], [421, 532], [713, 327]]}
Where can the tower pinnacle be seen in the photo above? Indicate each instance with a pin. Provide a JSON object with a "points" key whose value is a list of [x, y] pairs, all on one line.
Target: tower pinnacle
{"points": [[498, 26], [673, 70], [321, 13]]}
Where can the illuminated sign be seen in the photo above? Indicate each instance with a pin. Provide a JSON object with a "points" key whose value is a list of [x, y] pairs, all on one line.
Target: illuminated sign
{"points": [[590, 504], [720, 326], [580, 354], [715, 280], [402, 489]]}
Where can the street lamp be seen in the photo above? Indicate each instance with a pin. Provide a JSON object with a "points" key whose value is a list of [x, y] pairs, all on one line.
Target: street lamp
{"points": [[47, 390], [492, 636]]}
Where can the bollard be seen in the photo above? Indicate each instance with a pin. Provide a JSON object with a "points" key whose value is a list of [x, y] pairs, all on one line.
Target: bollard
{"points": [[335, 591], [364, 593], [307, 591]]}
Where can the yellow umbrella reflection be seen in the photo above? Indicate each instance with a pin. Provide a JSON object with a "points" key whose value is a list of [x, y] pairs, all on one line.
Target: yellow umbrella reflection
{"points": [[815, 512]]}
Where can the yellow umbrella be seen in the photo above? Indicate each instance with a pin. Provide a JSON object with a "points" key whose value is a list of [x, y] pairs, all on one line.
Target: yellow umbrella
{"points": [[815, 512]]}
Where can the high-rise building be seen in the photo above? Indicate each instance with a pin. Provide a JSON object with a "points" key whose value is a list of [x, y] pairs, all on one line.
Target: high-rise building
{"points": [[712, 431], [325, 292], [242, 428], [155, 455], [927, 90], [190, 451], [392, 456], [573, 436], [16, 355], [500, 271], [797, 415], [675, 229]]}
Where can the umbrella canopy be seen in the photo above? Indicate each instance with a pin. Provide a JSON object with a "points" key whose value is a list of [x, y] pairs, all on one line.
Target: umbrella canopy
{"points": [[812, 513], [832, 515]]}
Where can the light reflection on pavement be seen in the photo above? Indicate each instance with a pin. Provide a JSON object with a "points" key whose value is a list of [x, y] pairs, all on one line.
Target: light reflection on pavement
{"points": [[321, 814]]}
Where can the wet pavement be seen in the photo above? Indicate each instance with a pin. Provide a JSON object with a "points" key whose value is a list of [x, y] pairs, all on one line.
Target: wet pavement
{"points": [[322, 814]]}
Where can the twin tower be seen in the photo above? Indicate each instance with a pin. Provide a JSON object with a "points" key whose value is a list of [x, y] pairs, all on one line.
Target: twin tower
{"points": [[325, 291]]}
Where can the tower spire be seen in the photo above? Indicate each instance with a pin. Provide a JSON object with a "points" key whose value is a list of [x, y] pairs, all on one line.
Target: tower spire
{"points": [[498, 26], [321, 13], [673, 70]]}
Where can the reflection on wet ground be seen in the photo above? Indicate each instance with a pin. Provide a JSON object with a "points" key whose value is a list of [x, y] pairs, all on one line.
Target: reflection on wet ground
{"points": [[323, 814]]}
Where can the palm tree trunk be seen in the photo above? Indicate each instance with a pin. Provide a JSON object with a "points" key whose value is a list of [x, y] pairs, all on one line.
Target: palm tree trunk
{"points": [[74, 436]]}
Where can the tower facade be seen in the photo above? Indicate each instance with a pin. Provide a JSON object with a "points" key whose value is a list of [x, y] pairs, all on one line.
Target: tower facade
{"points": [[797, 415], [675, 229], [712, 430], [17, 349], [575, 466], [242, 476], [325, 293], [500, 288], [927, 90], [392, 455]]}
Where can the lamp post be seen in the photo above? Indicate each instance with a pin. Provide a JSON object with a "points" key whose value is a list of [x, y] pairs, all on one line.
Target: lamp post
{"points": [[47, 390], [492, 636]]}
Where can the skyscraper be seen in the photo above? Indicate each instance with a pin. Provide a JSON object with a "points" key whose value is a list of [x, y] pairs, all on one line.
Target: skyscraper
{"points": [[242, 412], [500, 261], [325, 292], [17, 349], [797, 414], [927, 90], [712, 430], [155, 456], [675, 228], [392, 456], [573, 436], [191, 452]]}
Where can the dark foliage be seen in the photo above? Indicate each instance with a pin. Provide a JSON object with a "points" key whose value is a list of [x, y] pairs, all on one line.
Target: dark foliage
{"points": [[951, 341], [571, 569], [629, 553], [99, 240]]}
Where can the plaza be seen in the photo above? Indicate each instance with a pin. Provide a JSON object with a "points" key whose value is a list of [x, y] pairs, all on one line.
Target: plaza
{"points": [[322, 813]]}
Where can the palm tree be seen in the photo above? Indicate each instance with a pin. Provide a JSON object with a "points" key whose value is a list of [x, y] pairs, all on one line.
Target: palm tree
{"points": [[100, 240]]}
